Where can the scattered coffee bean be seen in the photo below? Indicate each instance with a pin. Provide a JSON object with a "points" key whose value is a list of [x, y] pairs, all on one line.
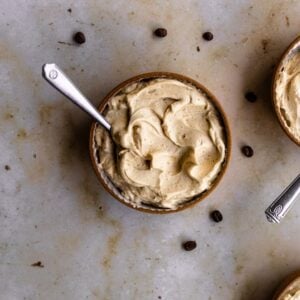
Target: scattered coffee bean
{"points": [[7, 167], [198, 48], [38, 264], [189, 245], [161, 32], [70, 10], [251, 97], [208, 36], [216, 216], [247, 151], [79, 37]]}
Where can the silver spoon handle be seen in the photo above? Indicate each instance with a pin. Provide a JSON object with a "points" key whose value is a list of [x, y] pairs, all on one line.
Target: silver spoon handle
{"points": [[57, 78], [279, 208]]}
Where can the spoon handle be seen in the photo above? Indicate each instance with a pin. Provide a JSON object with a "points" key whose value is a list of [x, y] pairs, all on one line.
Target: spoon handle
{"points": [[279, 208], [57, 78]]}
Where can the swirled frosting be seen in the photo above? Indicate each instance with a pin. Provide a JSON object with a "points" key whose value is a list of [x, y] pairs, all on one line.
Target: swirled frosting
{"points": [[292, 296], [168, 143], [288, 94]]}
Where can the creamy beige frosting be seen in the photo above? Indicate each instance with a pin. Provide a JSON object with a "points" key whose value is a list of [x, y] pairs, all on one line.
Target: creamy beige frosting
{"points": [[168, 143], [292, 296], [288, 93]]}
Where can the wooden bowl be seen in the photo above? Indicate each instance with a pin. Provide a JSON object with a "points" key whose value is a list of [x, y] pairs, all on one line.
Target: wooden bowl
{"points": [[294, 46], [108, 185], [287, 286]]}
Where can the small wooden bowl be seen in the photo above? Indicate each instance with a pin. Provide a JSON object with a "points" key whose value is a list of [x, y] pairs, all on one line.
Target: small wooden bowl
{"points": [[286, 286], [283, 60], [106, 182]]}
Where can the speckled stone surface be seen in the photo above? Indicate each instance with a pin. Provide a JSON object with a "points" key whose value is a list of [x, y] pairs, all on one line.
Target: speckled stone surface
{"points": [[52, 208]]}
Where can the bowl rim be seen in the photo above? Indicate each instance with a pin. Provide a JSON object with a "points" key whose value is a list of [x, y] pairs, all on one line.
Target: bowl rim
{"points": [[215, 102], [277, 71]]}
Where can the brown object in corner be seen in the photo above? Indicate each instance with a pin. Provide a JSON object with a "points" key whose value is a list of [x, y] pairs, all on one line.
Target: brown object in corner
{"points": [[284, 286], [278, 69], [149, 76]]}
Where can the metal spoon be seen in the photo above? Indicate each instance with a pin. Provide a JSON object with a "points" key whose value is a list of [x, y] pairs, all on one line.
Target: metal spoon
{"points": [[58, 79], [279, 208]]}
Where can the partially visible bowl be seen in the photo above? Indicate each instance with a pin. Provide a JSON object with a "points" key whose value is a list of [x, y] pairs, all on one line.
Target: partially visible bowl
{"points": [[289, 287], [115, 191], [278, 80]]}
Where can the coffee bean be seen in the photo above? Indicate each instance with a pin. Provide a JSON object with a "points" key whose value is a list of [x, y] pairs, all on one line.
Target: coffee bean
{"points": [[247, 151], [216, 216], [79, 37], [189, 245], [198, 48], [70, 10], [208, 36], [251, 97], [161, 32], [7, 167], [38, 264]]}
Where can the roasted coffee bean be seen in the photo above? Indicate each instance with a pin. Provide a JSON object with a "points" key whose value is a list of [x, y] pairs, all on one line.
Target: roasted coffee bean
{"points": [[208, 36], [79, 37], [216, 216], [161, 32], [251, 97], [38, 264], [247, 151], [189, 245]]}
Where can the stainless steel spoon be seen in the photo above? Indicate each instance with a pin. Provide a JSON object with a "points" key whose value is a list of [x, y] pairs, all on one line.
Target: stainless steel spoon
{"points": [[58, 79], [279, 208]]}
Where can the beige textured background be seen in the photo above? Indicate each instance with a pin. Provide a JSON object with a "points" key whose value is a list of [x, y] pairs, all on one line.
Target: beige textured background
{"points": [[52, 208]]}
